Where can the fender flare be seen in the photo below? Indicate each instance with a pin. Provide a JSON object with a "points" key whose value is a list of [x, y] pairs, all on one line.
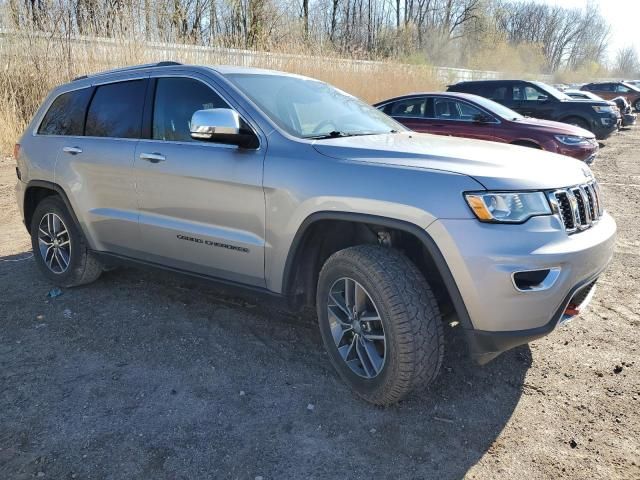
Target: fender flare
{"points": [[421, 234], [58, 190]]}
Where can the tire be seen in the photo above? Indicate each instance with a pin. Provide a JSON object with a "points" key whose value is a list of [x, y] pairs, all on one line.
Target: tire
{"points": [[52, 230], [578, 122], [409, 320], [636, 105]]}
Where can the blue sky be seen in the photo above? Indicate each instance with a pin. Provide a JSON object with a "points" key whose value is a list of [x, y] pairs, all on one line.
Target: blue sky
{"points": [[622, 15]]}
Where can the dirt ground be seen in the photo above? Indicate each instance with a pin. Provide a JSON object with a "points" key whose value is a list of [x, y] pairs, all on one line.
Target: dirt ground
{"points": [[150, 375]]}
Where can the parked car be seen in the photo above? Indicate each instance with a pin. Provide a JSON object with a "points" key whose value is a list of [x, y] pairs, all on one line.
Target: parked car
{"points": [[289, 187], [585, 95], [611, 90], [628, 117], [535, 99], [635, 83], [471, 116]]}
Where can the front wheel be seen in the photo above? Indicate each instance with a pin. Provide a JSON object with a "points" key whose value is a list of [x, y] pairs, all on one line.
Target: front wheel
{"points": [[379, 322], [578, 122], [59, 247]]}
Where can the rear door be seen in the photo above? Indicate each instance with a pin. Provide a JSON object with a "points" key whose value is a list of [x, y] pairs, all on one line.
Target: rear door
{"points": [[410, 113], [97, 167], [604, 90], [201, 204]]}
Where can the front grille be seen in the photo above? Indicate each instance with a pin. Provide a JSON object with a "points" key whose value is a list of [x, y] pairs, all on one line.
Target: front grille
{"points": [[578, 207]]}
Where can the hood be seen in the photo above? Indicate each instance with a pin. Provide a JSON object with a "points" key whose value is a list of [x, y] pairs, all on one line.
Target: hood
{"points": [[557, 128], [582, 101], [497, 166]]}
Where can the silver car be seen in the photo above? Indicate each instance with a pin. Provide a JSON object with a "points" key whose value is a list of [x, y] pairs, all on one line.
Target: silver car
{"points": [[291, 187]]}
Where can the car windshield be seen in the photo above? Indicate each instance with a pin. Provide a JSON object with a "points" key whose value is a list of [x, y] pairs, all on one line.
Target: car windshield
{"points": [[631, 86], [552, 91], [496, 108], [308, 108]]}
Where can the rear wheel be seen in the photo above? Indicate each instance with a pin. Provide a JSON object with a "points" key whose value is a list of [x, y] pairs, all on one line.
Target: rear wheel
{"points": [[59, 247], [380, 323], [636, 106]]}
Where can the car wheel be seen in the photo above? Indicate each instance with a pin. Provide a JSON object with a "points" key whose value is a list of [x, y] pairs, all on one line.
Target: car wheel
{"points": [[379, 322], [636, 106], [578, 122], [59, 247]]}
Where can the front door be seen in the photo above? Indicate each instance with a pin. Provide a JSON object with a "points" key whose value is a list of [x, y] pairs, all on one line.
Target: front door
{"points": [[201, 204], [531, 101], [458, 118]]}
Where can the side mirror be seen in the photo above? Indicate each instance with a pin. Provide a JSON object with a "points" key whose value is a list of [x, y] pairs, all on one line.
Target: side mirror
{"points": [[221, 125]]}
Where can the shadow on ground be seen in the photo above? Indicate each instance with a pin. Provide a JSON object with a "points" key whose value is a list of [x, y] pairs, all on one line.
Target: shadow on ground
{"points": [[145, 374]]}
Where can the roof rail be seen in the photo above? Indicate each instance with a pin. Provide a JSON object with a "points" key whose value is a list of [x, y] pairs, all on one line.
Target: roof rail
{"points": [[133, 68]]}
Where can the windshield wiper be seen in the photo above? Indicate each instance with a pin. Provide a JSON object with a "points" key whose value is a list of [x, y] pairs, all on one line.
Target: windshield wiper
{"points": [[338, 134], [333, 134]]}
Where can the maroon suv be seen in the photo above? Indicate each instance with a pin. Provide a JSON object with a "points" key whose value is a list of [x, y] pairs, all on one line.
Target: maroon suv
{"points": [[471, 116]]}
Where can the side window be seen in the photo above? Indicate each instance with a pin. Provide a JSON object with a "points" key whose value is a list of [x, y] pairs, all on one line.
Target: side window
{"points": [[621, 88], [445, 109], [604, 87], [468, 112], [116, 110], [66, 114], [176, 101], [497, 93], [412, 107]]}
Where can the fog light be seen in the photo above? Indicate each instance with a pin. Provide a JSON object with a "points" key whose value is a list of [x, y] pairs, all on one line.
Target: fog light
{"points": [[535, 280]]}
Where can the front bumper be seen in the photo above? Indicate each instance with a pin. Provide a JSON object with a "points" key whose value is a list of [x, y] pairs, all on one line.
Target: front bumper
{"points": [[629, 119], [586, 153], [483, 258], [604, 126]]}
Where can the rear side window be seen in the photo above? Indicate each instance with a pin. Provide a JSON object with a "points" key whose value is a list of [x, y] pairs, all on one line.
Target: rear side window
{"points": [[411, 107], [176, 101], [496, 93], [116, 110], [66, 114]]}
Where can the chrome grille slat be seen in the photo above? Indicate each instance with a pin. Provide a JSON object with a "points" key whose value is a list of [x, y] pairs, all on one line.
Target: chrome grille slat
{"points": [[578, 207]]}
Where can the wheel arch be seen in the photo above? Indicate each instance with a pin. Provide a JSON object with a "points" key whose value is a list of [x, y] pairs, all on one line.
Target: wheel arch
{"points": [[36, 191], [527, 142], [306, 254], [578, 116]]}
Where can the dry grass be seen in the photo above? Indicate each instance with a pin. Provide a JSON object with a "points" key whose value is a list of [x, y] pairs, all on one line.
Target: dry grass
{"points": [[32, 64]]}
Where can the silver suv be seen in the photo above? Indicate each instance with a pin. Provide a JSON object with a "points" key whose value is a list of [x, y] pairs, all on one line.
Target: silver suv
{"points": [[287, 185]]}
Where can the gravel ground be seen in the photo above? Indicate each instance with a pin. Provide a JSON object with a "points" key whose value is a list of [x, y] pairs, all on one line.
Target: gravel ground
{"points": [[152, 375]]}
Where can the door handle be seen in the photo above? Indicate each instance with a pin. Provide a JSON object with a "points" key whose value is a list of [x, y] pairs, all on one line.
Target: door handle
{"points": [[72, 150], [152, 157]]}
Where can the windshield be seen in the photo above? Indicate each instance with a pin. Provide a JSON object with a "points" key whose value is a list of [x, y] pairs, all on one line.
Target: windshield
{"points": [[632, 86], [554, 92], [496, 108], [309, 108]]}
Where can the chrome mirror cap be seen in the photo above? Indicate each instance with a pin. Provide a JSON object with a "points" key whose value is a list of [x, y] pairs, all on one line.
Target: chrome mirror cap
{"points": [[214, 121]]}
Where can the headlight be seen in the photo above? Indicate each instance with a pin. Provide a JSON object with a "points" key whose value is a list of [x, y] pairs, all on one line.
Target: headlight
{"points": [[599, 109], [572, 140], [507, 207]]}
